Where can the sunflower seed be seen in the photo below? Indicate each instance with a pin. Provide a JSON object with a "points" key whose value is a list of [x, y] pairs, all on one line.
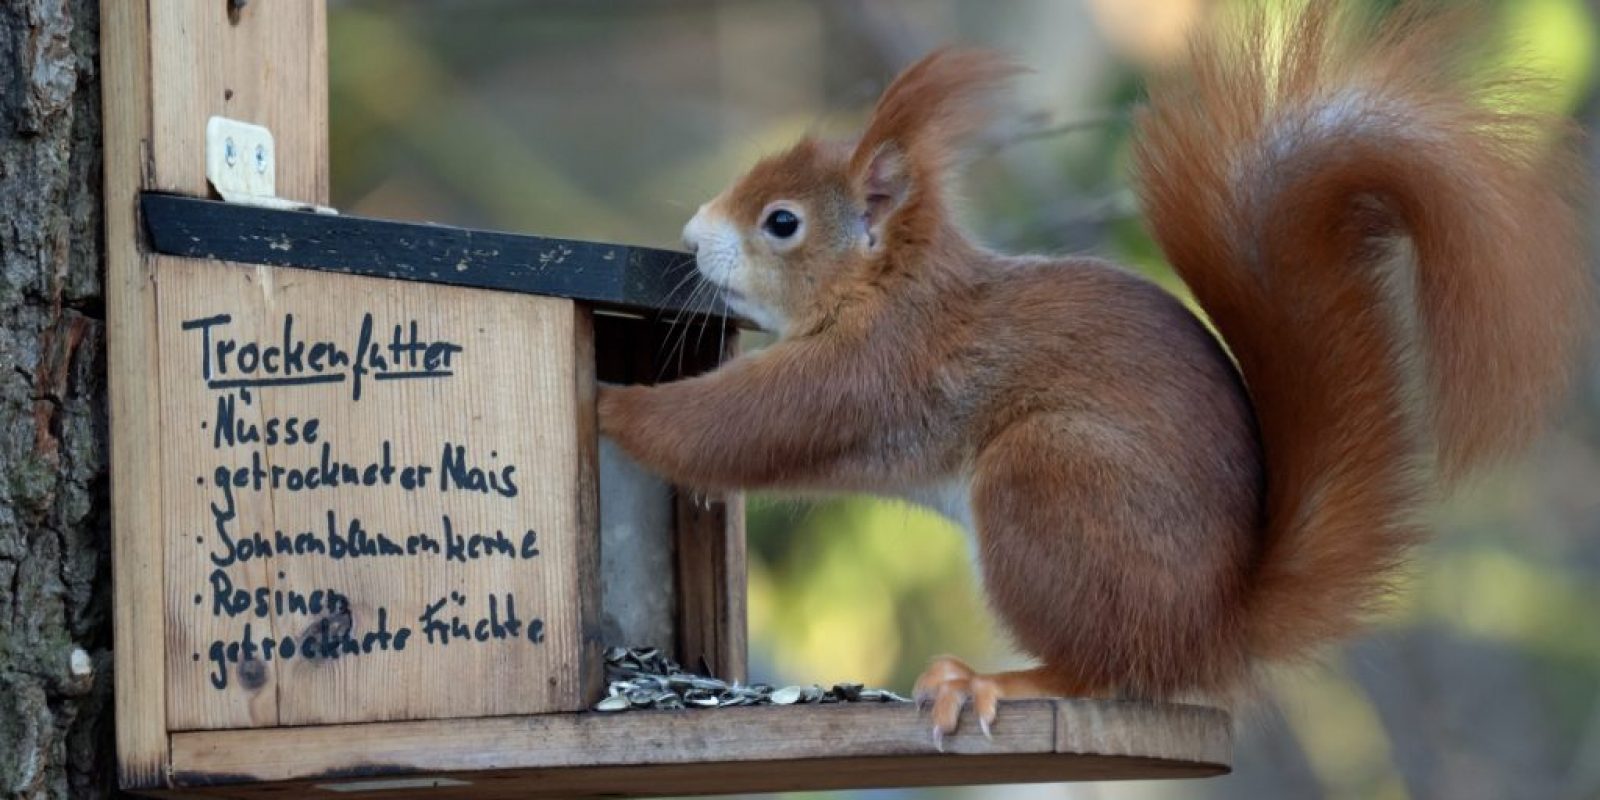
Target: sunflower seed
{"points": [[787, 696], [647, 678], [615, 702]]}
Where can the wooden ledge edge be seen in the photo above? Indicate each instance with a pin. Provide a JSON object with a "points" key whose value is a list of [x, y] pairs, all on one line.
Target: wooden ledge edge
{"points": [[1057, 739]]}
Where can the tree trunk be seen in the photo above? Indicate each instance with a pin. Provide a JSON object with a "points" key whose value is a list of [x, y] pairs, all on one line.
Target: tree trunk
{"points": [[55, 593]]}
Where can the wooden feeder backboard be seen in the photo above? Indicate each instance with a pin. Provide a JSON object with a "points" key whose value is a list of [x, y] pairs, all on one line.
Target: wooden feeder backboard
{"points": [[369, 499]]}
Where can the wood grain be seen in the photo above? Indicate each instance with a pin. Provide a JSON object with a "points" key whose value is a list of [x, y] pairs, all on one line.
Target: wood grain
{"points": [[712, 628], [749, 749], [586, 583], [1112, 728], [134, 375]]}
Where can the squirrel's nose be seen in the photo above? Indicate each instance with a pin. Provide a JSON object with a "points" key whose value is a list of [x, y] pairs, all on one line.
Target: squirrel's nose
{"points": [[691, 231]]}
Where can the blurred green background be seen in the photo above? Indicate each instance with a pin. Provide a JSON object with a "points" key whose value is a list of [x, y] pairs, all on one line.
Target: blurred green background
{"points": [[613, 120]]}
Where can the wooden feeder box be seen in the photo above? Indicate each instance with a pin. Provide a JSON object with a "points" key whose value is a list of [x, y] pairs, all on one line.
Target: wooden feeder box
{"points": [[367, 542]]}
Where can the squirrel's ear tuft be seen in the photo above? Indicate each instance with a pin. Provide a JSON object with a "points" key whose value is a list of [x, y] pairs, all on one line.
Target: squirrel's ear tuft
{"points": [[923, 121]]}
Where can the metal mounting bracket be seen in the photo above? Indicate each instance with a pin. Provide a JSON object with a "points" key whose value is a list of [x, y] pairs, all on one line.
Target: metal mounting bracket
{"points": [[242, 166]]}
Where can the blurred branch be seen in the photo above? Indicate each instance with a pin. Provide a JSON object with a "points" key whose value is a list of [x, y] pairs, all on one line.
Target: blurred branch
{"points": [[1074, 223], [1078, 213], [1040, 129]]}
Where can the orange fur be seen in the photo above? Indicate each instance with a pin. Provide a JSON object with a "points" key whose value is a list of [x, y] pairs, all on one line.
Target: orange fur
{"points": [[1151, 519]]}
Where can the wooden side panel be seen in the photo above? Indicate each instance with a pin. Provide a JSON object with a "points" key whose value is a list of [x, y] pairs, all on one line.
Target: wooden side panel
{"points": [[134, 376], [372, 498], [713, 630], [712, 627], [586, 586]]}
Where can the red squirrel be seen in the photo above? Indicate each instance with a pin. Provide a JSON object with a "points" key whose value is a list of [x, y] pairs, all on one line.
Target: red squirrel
{"points": [[1386, 246]]}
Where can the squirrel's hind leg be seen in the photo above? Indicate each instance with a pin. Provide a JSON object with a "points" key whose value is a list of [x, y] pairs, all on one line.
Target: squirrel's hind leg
{"points": [[1109, 557]]}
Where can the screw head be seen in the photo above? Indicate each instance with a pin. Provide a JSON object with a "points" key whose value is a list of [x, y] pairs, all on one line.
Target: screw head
{"points": [[261, 159], [230, 151]]}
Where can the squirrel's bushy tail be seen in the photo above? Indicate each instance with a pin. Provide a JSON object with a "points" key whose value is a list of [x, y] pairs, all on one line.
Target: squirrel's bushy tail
{"points": [[1388, 245]]}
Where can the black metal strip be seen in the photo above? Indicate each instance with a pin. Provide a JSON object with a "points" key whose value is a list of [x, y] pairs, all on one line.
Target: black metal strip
{"points": [[609, 275]]}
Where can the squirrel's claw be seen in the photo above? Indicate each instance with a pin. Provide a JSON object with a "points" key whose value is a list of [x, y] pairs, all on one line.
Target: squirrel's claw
{"points": [[945, 687]]}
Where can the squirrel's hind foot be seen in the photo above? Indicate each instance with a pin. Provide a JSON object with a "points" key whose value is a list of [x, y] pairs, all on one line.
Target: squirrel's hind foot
{"points": [[948, 685]]}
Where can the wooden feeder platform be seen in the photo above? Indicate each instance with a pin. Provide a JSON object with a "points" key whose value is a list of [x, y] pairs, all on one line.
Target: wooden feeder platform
{"points": [[709, 751]]}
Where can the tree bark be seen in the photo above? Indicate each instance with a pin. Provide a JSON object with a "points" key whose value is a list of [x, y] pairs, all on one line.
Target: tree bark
{"points": [[56, 733]]}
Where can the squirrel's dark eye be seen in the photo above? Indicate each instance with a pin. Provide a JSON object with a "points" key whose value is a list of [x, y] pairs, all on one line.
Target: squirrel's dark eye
{"points": [[781, 223]]}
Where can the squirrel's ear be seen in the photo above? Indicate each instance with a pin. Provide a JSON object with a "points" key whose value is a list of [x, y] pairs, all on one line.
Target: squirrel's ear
{"points": [[885, 183], [920, 125]]}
